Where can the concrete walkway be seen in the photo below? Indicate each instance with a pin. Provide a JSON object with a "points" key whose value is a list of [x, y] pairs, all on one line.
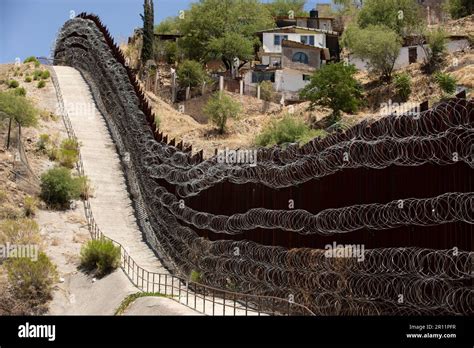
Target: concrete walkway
{"points": [[111, 204]]}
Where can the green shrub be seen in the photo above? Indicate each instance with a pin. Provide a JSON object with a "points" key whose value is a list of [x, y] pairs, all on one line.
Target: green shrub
{"points": [[446, 82], [28, 79], [13, 84], [435, 51], [19, 108], [41, 84], [43, 142], [287, 130], [32, 279], [31, 59], [30, 206], [403, 86], [19, 91], [190, 73], [37, 74], [53, 153], [58, 187], [100, 255], [68, 153], [85, 187], [45, 74], [195, 276], [266, 90], [219, 108]]}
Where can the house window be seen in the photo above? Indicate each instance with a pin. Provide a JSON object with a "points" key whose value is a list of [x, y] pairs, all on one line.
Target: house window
{"points": [[278, 38], [307, 39], [300, 57], [259, 76], [306, 77]]}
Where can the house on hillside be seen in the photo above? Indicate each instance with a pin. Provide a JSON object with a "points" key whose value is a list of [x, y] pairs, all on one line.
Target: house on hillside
{"points": [[290, 54], [413, 52]]}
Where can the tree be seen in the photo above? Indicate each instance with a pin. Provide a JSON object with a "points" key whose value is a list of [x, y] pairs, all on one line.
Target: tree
{"points": [[459, 8], [230, 46], [287, 7], [169, 25], [221, 107], [208, 20], [435, 50], [399, 15], [376, 44], [148, 36], [335, 87], [191, 73], [403, 86], [17, 108], [446, 82]]}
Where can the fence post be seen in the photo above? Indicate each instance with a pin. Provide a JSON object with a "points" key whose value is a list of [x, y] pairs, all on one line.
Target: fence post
{"points": [[241, 84], [258, 91], [221, 83]]}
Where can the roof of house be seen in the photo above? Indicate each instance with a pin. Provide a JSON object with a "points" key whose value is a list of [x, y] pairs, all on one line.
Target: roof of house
{"points": [[296, 44], [297, 29], [304, 17]]}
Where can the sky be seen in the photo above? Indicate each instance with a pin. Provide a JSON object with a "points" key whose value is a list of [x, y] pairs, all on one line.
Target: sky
{"points": [[28, 27]]}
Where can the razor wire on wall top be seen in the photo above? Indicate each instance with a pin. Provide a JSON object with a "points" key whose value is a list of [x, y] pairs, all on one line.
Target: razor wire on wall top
{"points": [[402, 280]]}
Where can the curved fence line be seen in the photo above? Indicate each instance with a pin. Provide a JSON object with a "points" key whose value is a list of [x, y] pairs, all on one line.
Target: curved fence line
{"points": [[189, 293]]}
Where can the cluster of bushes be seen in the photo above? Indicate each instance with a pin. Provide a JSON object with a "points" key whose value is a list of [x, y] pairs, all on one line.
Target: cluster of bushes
{"points": [[32, 59], [403, 86], [287, 130], [446, 82]]}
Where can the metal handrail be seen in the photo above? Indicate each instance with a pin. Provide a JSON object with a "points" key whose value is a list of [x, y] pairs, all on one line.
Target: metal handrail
{"points": [[127, 260]]}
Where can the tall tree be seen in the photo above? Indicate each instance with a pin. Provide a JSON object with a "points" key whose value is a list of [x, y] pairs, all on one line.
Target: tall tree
{"points": [[208, 26], [148, 26], [378, 45]]}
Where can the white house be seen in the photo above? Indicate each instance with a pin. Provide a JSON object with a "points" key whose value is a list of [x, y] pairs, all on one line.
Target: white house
{"points": [[288, 57]]}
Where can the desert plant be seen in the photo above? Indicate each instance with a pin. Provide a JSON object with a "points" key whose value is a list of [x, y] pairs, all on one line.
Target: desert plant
{"points": [[435, 50], [195, 276], [191, 73], [19, 230], [68, 153], [403, 86], [100, 255], [13, 84], [30, 206], [43, 142], [37, 74], [19, 91], [85, 187], [41, 84], [446, 82], [28, 79], [19, 108], [32, 279], [221, 107], [58, 187], [266, 90], [45, 74], [32, 59], [287, 130], [334, 86]]}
